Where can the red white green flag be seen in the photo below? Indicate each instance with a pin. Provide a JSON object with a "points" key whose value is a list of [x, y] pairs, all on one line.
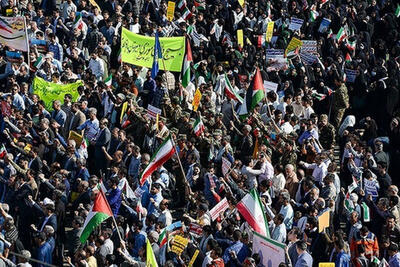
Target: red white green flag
{"points": [[3, 151], [108, 81], [348, 57], [252, 210], [351, 45], [78, 23], [198, 127], [230, 91], [341, 35], [186, 14], [100, 211], [182, 4], [162, 155], [186, 65]]}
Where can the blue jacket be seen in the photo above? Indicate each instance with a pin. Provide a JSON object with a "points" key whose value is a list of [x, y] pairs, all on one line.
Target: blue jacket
{"points": [[114, 199], [304, 260], [43, 253], [342, 259]]}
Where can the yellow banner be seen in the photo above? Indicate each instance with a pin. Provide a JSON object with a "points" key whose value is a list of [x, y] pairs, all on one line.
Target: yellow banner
{"points": [[179, 244], [241, 3], [76, 137], [293, 45], [196, 99], [240, 38], [323, 221], [326, 264], [93, 2], [170, 10], [138, 50], [270, 31], [196, 253]]}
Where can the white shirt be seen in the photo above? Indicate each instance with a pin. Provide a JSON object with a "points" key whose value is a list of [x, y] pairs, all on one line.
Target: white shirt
{"points": [[278, 233], [66, 9], [287, 128], [97, 67], [207, 259], [165, 217], [320, 171], [278, 183]]}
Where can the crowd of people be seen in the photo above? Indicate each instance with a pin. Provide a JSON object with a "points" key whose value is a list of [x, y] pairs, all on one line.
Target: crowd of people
{"points": [[321, 141]]}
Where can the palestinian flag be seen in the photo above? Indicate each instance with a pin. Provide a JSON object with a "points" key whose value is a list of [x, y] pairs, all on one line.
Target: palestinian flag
{"points": [[242, 111], [348, 57], [199, 4], [258, 90], [39, 62], [329, 90], [78, 23], [162, 155], [341, 35], [3, 151], [230, 91], [182, 4], [186, 14], [198, 127], [150, 257], [252, 210], [348, 204], [186, 65], [397, 13], [108, 81], [101, 187], [351, 45], [313, 15], [100, 211]]}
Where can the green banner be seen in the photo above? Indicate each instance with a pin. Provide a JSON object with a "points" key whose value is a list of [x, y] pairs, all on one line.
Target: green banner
{"points": [[138, 50], [48, 91]]}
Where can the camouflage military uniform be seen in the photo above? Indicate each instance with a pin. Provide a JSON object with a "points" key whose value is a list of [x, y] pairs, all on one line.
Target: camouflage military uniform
{"points": [[176, 115], [340, 104], [289, 157], [327, 136]]}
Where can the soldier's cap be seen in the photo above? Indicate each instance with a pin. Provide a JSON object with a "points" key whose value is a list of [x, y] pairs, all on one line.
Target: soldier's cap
{"points": [[186, 114], [162, 119], [192, 120], [174, 130], [217, 132], [181, 136], [121, 96], [166, 97], [211, 112], [140, 109], [220, 115]]}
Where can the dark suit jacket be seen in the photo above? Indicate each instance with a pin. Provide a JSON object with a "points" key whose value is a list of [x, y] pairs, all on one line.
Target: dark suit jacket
{"points": [[77, 120], [103, 140], [36, 165]]}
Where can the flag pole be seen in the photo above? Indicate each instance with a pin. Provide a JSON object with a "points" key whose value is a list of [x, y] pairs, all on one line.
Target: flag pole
{"points": [[27, 45], [180, 163], [115, 222]]}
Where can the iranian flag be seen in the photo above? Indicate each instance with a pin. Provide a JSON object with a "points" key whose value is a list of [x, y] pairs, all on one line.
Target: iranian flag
{"points": [[182, 4], [186, 65], [341, 35], [108, 81], [198, 126], [162, 155], [258, 89], [163, 238], [82, 150], [313, 15], [351, 45], [252, 210], [100, 211], [3, 151], [230, 91], [78, 23], [186, 14]]}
